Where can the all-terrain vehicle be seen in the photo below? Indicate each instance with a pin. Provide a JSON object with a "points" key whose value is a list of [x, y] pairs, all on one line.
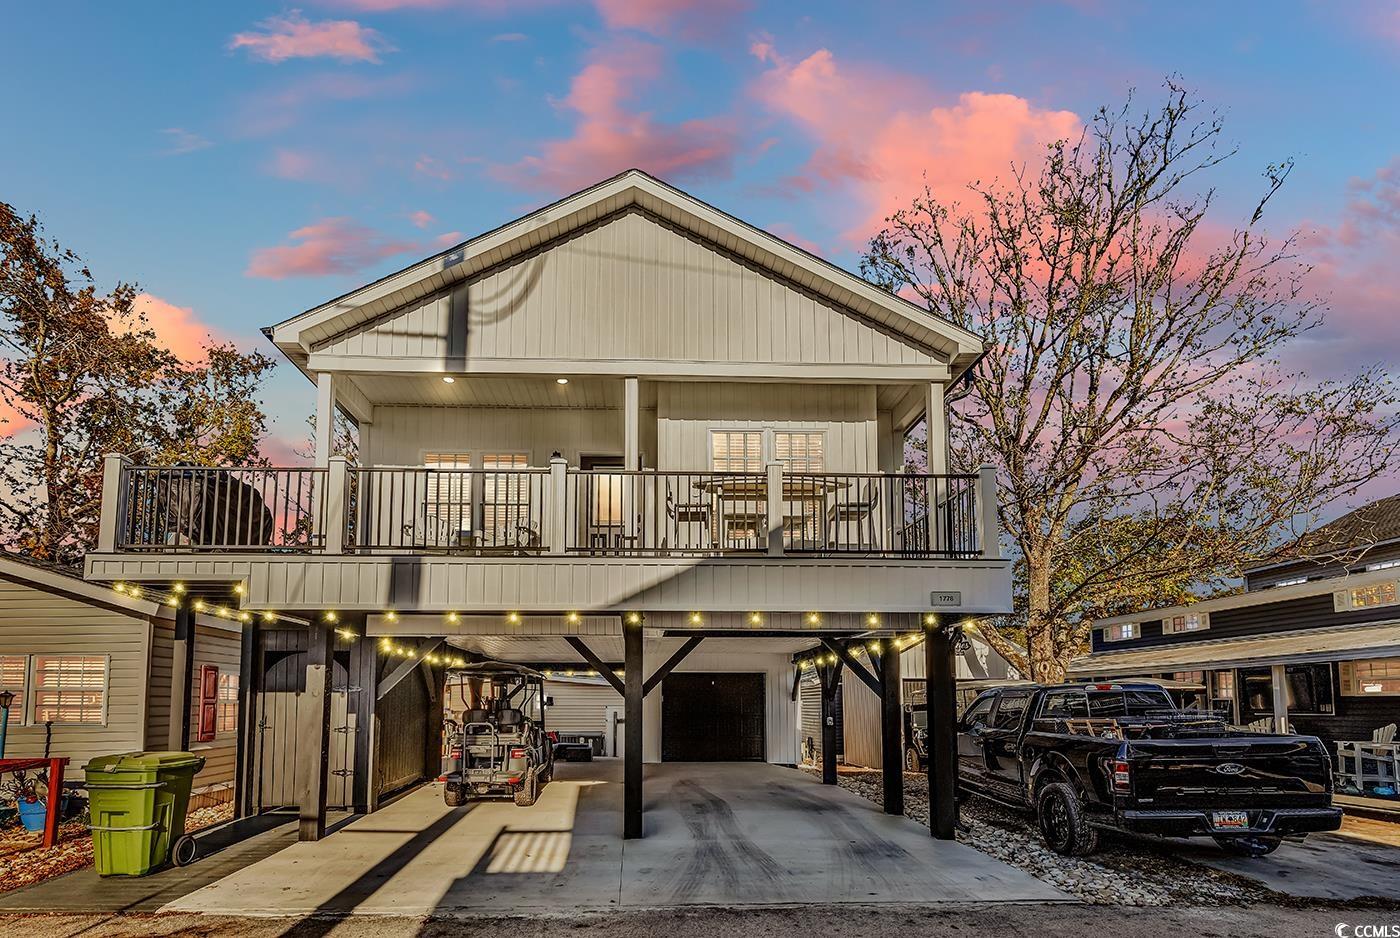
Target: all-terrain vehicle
{"points": [[502, 740]]}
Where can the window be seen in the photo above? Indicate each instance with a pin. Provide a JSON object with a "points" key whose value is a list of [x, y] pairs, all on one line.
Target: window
{"points": [[1127, 703], [1224, 685], [505, 498], [1009, 711], [736, 450], [1376, 677], [1121, 632], [1366, 597], [1307, 688], [1292, 581], [14, 674], [1064, 706], [449, 493], [227, 719], [1382, 565], [1190, 622], [976, 714], [800, 451], [70, 688]]}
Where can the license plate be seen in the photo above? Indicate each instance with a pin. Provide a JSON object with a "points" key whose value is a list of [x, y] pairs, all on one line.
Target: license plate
{"points": [[1230, 820]]}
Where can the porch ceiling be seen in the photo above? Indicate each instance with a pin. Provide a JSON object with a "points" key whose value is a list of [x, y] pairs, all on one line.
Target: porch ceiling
{"points": [[479, 391]]}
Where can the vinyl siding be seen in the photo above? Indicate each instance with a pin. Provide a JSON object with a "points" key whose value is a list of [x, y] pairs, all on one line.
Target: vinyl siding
{"points": [[219, 647], [629, 288], [781, 727], [580, 708], [687, 412], [34, 621], [402, 435]]}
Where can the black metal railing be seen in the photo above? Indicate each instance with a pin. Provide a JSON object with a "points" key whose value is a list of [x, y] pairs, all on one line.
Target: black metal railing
{"points": [[449, 510], [880, 514], [666, 513], [198, 508]]}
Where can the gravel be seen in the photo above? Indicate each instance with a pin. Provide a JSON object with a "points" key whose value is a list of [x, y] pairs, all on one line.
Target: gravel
{"points": [[1136, 871]]}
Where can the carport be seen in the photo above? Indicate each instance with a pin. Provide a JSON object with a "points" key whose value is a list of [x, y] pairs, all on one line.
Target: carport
{"points": [[732, 834]]}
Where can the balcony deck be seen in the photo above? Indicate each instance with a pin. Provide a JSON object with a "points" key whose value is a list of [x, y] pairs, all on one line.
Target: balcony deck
{"points": [[557, 538]]}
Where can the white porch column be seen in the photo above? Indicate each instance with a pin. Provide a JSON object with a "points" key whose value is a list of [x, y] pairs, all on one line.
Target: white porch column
{"points": [[632, 424], [111, 509], [935, 419], [1278, 675], [325, 417], [988, 524]]}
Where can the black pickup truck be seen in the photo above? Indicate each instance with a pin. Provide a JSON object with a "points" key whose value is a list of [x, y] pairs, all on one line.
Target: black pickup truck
{"points": [[1121, 756]]}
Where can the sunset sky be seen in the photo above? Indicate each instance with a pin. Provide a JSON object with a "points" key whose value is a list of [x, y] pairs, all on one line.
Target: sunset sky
{"points": [[245, 161]]}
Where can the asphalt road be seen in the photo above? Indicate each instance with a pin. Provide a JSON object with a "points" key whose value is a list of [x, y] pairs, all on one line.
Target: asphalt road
{"points": [[885, 921]]}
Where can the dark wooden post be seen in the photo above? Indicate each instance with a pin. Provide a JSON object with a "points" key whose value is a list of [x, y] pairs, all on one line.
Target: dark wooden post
{"points": [[364, 674], [891, 728], [632, 709], [313, 733], [830, 677], [247, 688], [181, 674], [942, 731]]}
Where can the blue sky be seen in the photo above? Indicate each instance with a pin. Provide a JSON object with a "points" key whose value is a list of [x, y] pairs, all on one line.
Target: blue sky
{"points": [[243, 162]]}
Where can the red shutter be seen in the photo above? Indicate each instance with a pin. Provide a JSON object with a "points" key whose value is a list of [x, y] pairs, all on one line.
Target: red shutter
{"points": [[208, 702]]}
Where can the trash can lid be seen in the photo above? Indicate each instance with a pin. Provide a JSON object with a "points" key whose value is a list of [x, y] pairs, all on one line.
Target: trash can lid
{"points": [[142, 761]]}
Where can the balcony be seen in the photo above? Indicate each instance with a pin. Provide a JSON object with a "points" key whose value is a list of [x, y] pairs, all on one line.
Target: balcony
{"points": [[557, 539], [554, 511]]}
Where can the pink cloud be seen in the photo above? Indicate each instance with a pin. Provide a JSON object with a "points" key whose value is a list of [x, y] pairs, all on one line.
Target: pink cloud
{"points": [[293, 36], [178, 328], [690, 18], [433, 168], [609, 138], [790, 234], [877, 137], [421, 218], [292, 164], [449, 238], [328, 246], [269, 112]]}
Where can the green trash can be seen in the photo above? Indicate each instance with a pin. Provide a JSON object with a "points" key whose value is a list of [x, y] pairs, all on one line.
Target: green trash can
{"points": [[138, 801]]}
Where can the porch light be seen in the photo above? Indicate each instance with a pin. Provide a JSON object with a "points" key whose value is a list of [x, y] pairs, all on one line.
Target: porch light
{"points": [[873, 646], [222, 611], [930, 618], [695, 618], [573, 618], [813, 618], [119, 587], [135, 591], [448, 379], [633, 618], [239, 589], [513, 618], [177, 587], [561, 380], [755, 618], [899, 643], [453, 617], [245, 617], [269, 616], [391, 616], [872, 619], [331, 616], [199, 605]]}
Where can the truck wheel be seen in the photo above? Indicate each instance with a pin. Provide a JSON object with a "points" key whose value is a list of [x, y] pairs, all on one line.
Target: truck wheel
{"points": [[453, 796], [528, 791], [1249, 845], [911, 760], [1062, 822]]}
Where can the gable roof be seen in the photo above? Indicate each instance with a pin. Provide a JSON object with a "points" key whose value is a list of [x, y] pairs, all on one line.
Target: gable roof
{"points": [[1354, 532], [296, 337]]}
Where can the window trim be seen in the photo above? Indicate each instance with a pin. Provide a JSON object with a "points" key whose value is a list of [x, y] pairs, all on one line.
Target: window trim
{"points": [[31, 695], [1348, 684], [1136, 632], [767, 443], [1204, 618], [1344, 600]]}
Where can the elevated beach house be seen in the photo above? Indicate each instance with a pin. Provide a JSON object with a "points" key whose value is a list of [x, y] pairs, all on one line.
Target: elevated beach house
{"points": [[626, 433]]}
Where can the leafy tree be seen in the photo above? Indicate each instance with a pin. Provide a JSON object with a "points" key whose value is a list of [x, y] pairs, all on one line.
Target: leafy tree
{"points": [[83, 375], [1147, 440]]}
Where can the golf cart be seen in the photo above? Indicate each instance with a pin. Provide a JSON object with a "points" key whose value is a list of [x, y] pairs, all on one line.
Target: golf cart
{"points": [[503, 745]]}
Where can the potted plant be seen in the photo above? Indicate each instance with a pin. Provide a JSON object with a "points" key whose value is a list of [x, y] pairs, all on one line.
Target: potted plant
{"points": [[29, 794]]}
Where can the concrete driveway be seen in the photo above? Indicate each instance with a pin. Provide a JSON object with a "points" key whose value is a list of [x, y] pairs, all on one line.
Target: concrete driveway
{"points": [[716, 834]]}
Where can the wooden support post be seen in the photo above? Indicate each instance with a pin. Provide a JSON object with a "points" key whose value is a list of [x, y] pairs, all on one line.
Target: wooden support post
{"points": [[1278, 678], [942, 731], [830, 677], [243, 757], [54, 808], [364, 674], [181, 669], [660, 675], [632, 708], [313, 733], [605, 672], [891, 728]]}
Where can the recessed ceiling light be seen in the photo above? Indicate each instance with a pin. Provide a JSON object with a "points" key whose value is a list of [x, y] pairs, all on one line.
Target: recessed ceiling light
{"points": [[448, 379], [561, 380]]}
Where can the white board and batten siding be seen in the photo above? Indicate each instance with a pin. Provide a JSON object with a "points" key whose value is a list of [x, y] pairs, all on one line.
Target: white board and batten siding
{"points": [[861, 707], [403, 436], [35, 621], [629, 289], [781, 723]]}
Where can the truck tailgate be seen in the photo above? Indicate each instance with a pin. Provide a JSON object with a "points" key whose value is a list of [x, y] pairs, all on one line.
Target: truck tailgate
{"points": [[1267, 771]]}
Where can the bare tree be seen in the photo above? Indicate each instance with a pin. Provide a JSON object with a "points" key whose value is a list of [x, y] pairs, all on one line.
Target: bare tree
{"points": [[1146, 438]]}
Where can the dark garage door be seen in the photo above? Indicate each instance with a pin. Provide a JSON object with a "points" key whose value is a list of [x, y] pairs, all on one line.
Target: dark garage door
{"points": [[712, 718]]}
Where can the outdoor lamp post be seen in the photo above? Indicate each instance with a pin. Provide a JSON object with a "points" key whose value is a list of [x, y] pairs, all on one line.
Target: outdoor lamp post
{"points": [[6, 699]]}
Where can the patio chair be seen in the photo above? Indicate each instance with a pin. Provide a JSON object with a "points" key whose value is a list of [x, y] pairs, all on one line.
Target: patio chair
{"points": [[685, 513], [861, 511]]}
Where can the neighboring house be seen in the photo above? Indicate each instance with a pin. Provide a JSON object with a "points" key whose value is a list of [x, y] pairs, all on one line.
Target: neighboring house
{"points": [[588, 438], [860, 707], [92, 669], [1312, 644]]}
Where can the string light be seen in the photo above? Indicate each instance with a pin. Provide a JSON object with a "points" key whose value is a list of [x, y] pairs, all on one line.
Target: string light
{"points": [[813, 618], [330, 616], [755, 618], [872, 619], [347, 633], [239, 589], [177, 587], [391, 616], [513, 618], [453, 617], [269, 616], [930, 619], [696, 618], [573, 618], [634, 617]]}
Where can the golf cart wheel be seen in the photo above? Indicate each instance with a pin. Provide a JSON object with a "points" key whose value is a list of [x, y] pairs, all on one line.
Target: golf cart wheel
{"points": [[1249, 845], [185, 851], [528, 791], [453, 796], [911, 760], [1062, 822]]}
